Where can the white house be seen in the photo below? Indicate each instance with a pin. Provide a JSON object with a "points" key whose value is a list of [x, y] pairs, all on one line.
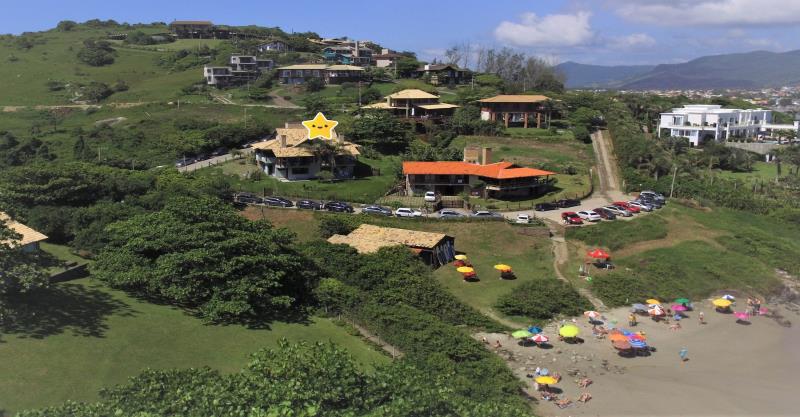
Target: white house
{"points": [[703, 122], [242, 68]]}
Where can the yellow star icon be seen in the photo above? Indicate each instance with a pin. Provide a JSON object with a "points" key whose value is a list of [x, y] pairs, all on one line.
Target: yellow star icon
{"points": [[320, 127]]}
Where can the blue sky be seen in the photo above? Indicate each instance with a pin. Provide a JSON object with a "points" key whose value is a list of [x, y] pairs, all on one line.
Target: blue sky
{"points": [[588, 31]]}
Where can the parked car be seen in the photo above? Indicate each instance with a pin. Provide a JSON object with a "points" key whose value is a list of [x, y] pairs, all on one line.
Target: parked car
{"points": [[219, 151], [338, 206], [589, 215], [430, 197], [383, 211], [605, 213], [523, 218], [449, 214], [641, 206], [309, 205], [278, 202], [619, 211], [546, 206], [627, 206], [407, 212], [247, 198], [651, 201], [484, 214], [570, 217], [653, 195], [567, 202]]}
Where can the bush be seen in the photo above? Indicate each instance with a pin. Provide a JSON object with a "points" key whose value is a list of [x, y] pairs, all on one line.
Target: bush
{"points": [[314, 84], [543, 299], [337, 225], [96, 91], [66, 25], [96, 53]]}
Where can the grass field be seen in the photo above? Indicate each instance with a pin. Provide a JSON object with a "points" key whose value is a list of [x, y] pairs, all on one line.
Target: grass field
{"points": [[763, 171], [22, 79], [84, 337], [360, 190], [486, 243], [690, 252]]}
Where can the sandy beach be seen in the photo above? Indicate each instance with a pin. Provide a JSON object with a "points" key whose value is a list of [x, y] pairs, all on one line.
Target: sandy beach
{"points": [[732, 369]]}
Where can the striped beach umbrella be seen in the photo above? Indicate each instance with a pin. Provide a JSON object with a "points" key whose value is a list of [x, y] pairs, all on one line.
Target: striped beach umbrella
{"points": [[539, 338], [637, 344], [591, 314]]}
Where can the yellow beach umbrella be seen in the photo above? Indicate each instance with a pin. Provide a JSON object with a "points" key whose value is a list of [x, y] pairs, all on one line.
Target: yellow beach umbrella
{"points": [[721, 302], [461, 257], [546, 380], [569, 330], [502, 267], [652, 301], [465, 269]]}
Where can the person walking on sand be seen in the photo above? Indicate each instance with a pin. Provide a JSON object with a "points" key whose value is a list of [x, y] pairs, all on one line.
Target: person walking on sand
{"points": [[683, 354], [702, 318], [632, 320]]}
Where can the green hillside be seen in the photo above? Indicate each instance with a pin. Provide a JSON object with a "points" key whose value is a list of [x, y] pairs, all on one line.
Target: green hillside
{"points": [[31, 60]]}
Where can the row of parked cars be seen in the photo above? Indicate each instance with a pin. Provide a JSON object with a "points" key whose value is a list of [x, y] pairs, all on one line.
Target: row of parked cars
{"points": [[647, 201], [555, 205]]}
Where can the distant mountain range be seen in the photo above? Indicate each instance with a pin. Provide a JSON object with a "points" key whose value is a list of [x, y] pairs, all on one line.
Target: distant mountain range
{"points": [[744, 70]]}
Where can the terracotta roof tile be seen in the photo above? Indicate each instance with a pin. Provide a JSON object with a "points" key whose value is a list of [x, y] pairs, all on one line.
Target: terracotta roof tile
{"points": [[499, 170]]}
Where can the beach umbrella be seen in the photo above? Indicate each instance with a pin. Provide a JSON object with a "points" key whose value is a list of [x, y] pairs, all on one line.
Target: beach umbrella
{"points": [[544, 371], [639, 307], [621, 344], [721, 302], [465, 269], [617, 337], [638, 344], [502, 267], [569, 330], [461, 257], [682, 301], [591, 314], [741, 315], [546, 380], [656, 311], [728, 297], [678, 307], [637, 336], [652, 301], [539, 338], [521, 334], [598, 254], [535, 329]]}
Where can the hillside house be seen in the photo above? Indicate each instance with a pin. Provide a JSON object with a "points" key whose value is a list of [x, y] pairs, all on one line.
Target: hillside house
{"points": [[348, 54], [329, 74], [28, 238], [435, 249], [516, 110], [705, 122], [292, 156], [476, 175], [444, 74], [386, 58], [275, 45], [242, 68], [414, 103], [192, 29]]}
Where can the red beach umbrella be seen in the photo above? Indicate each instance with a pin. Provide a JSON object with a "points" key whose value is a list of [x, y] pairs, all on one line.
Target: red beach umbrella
{"points": [[598, 254]]}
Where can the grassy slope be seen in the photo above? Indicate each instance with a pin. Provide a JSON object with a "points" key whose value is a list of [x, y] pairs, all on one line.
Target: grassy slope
{"points": [[485, 243], [23, 82], [85, 337], [702, 251]]}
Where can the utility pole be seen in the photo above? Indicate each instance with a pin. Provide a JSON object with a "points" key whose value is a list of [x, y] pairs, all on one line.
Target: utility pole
{"points": [[245, 116], [672, 187], [359, 93]]}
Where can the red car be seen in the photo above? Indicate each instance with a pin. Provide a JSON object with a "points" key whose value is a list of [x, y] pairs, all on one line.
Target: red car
{"points": [[570, 217], [633, 209]]}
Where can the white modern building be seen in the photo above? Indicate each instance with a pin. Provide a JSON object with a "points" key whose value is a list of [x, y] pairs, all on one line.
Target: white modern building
{"points": [[704, 122]]}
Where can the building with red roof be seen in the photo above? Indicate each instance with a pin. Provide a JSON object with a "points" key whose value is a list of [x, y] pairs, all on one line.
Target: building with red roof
{"points": [[476, 174]]}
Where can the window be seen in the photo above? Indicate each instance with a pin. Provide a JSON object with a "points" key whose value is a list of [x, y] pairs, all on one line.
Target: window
{"points": [[286, 73], [300, 171]]}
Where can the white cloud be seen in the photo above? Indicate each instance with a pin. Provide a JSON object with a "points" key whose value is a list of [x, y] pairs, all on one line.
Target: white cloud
{"points": [[547, 31], [709, 12], [632, 41]]}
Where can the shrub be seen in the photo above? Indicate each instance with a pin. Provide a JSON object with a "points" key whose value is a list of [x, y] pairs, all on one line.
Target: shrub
{"points": [[96, 53], [543, 299], [337, 225]]}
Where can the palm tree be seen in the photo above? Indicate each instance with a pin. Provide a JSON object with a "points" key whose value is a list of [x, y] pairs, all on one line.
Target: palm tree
{"points": [[326, 151]]}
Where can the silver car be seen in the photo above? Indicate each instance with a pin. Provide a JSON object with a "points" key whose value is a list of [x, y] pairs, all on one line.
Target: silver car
{"points": [[619, 211]]}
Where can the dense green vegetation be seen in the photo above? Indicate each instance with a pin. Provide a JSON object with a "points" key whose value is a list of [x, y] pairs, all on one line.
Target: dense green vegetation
{"points": [[543, 299]]}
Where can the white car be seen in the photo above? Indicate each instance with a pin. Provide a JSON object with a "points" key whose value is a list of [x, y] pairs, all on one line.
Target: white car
{"points": [[523, 218], [589, 215], [430, 197], [407, 212], [643, 207]]}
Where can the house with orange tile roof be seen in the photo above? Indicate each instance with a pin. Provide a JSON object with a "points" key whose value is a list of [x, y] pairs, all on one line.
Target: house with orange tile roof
{"points": [[476, 174], [523, 110], [28, 239]]}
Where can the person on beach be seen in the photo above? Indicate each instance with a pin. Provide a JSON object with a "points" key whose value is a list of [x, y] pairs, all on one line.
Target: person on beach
{"points": [[756, 306], [702, 318], [683, 354], [538, 371], [631, 320], [497, 344]]}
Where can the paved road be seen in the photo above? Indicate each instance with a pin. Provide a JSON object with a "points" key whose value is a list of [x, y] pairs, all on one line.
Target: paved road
{"points": [[213, 161]]}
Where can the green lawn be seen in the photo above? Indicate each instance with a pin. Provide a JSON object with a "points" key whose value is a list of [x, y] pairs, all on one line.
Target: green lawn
{"points": [[763, 171], [361, 190], [84, 337]]}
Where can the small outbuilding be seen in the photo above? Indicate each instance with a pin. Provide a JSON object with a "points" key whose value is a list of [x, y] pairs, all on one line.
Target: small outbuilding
{"points": [[28, 238], [435, 249]]}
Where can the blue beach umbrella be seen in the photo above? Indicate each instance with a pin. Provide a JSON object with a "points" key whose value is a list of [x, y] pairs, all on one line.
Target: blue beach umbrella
{"points": [[638, 344], [534, 329]]}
